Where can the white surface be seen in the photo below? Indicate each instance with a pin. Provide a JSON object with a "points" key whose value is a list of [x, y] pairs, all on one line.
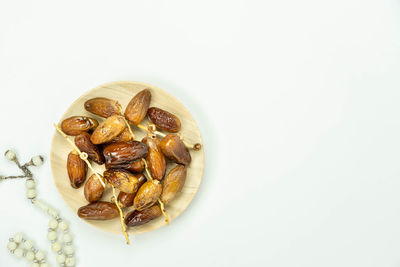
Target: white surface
{"points": [[298, 103]]}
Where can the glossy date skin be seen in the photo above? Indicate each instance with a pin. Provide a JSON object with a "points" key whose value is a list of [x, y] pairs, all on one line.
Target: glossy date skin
{"points": [[125, 199], [164, 120], [108, 130], [147, 195], [117, 155], [93, 189], [103, 107], [78, 124], [174, 149], [125, 136], [138, 106], [137, 217], [123, 180], [77, 169], [82, 141], [155, 158], [99, 210], [173, 183]]}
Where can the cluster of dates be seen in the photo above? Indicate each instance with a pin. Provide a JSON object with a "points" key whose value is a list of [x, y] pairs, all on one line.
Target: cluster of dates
{"points": [[111, 143]]}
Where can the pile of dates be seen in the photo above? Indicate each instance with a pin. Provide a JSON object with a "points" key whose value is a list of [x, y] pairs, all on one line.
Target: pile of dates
{"points": [[110, 142]]}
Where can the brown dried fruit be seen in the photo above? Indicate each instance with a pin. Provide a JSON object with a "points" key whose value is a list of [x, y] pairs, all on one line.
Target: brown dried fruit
{"points": [[103, 107], [83, 142], [173, 183], [118, 155], [135, 166], [77, 169], [155, 158], [125, 199], [125, 136], [147, 195], [174, 149], [137, 217], [93, 189], [78, 124], [122, 180], [108, 130], [99, 211], [164, 120], [138, 106]]}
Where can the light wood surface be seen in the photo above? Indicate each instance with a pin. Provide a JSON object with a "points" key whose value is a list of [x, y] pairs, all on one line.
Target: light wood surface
{"points": [[123, 92]]}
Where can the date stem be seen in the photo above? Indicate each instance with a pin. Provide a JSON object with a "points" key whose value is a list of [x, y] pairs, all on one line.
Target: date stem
{"points": [[151, 128], [82, 155], [159, 200], [127, 123], [121, 215]]}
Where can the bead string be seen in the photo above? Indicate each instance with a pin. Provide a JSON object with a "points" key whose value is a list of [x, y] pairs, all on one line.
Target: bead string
{"points": [[84, 157], [65, 254], [20, 247]]}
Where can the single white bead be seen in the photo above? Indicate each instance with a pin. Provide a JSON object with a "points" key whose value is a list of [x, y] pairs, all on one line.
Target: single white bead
{"points": [[70, 262], [69, 250], [19, 252], [52, 212], [28, 244], [45, 264], [10, 155], [11, 245], [37, 160], [53, 224], [63, 226], [30, 256], [52, 235], [60, 258], [35, 265], [66, 238], [31, 193], [30, 184], [40, 255], [18, 237], [56, 247]]}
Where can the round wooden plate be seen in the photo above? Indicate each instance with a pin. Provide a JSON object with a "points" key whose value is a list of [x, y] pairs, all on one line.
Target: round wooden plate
{"points": [[123, 93]]}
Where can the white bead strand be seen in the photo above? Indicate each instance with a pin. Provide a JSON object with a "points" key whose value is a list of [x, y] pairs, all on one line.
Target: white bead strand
{"points": [[27, 250], [21, 247]]}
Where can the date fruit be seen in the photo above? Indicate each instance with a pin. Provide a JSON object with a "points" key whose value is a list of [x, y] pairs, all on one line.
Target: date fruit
{"points": [[103, 107], [135, 166], [155, 157], [164, 120], [99, 210], [125, 136], [138, 106], [83, 142], [137, 217], [173, 183], [147, 195], [93, 189], [108, 130], [120, 154], [122, 180], [125, 199], [77, 169], [174, 149], [78, 124]]}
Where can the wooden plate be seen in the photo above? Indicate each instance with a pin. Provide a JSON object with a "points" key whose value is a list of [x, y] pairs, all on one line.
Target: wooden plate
{"points": [[123, 92]]}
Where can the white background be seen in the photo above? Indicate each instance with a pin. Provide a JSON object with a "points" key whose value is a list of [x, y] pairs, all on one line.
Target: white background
{"points": [[298, 103]]}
